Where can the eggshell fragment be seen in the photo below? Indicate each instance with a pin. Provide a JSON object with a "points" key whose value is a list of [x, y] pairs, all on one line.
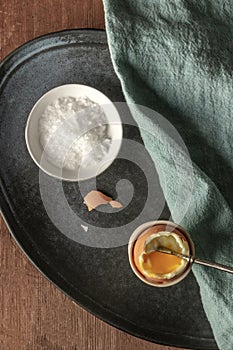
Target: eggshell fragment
{"points": [[116, 204], [95, 198]]}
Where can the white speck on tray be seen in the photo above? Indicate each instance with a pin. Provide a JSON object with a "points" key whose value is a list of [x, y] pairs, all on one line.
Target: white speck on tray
{"points": [[85, 228]]}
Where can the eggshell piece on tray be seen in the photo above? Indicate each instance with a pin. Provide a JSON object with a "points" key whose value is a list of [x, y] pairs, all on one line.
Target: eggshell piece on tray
{"points": [[95, 198]]}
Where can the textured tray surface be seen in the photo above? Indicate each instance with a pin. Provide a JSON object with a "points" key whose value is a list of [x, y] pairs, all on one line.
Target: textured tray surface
{"points": [[106, 287]]}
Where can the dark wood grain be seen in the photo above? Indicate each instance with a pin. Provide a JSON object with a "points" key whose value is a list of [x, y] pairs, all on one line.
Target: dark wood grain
{"points": [[35, 315]]}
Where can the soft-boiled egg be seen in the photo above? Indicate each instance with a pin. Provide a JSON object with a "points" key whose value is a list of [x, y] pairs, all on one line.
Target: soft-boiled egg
{"points": [[154, 265]]}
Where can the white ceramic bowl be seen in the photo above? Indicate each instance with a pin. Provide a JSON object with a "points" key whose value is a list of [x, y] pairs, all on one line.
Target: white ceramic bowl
{"points": [[32, 132]]}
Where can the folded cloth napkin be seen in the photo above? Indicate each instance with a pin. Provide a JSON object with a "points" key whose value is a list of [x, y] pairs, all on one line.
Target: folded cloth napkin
{"points": [[176, 57]]}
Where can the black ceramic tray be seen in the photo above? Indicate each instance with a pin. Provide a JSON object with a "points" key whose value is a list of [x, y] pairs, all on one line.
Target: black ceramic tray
{"points": [[100, 280]]}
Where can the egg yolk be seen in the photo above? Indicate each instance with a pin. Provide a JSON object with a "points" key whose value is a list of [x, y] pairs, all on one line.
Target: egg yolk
{"points": [[159, 263]]}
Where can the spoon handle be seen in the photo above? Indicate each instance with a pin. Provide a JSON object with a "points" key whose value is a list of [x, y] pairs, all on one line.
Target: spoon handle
{"points": [[195, 260], [212, 264]]}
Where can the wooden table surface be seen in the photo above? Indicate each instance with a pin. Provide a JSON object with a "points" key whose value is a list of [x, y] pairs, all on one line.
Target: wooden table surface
{"points": [[33, 313]]}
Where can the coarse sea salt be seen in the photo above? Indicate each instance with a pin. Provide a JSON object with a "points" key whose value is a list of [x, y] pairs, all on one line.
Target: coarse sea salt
{"points": [[74, 132]]}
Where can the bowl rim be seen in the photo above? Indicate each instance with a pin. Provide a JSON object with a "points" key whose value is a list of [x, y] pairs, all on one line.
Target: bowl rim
{"points": [[27, 132], [135, 235]]}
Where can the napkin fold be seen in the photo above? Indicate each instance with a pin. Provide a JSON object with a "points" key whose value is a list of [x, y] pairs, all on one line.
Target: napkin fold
{"points": [[176, 57]]}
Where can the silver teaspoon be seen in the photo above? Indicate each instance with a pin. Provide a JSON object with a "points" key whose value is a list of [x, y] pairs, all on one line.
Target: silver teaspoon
{"points": [[193, 259]]}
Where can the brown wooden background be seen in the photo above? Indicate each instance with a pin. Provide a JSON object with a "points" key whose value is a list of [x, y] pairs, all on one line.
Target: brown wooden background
{"points": [[33, 313]]}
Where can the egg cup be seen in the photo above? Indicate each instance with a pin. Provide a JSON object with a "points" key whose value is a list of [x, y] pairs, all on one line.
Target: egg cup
{"points": [[160, 225]]}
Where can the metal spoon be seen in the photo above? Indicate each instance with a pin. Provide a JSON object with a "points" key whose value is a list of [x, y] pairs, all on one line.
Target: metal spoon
{"points": [[193, 259]]}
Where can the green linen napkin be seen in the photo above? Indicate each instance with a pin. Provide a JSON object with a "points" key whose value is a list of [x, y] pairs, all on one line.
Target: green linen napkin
{"points": [[176, 57]]}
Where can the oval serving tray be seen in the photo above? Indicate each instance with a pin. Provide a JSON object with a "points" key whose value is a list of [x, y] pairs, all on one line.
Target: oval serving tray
{"points": [[107, 287]]}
